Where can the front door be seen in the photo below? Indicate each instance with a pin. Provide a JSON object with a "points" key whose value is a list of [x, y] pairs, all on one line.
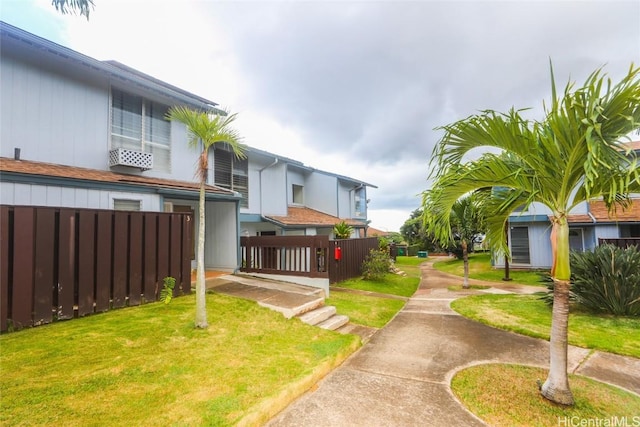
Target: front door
{"points": [[520, 245]]}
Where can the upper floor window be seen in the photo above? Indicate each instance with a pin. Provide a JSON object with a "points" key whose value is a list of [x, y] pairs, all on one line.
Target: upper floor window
{"points": [[360, 203], [139, 124], [231, 173], [297, 194]]}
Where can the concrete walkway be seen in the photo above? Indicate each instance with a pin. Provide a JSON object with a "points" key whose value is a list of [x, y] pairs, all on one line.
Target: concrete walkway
{"points": [[401, 376]]}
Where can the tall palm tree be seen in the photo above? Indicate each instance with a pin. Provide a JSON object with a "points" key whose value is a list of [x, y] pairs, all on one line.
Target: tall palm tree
{"points": [[205, 130], [83, 7], [573, 155]]}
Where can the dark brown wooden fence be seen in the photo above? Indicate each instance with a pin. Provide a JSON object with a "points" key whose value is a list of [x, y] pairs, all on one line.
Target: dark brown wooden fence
{"points": [[307, 256], [623, 242], [353, 253], [61, 263]]}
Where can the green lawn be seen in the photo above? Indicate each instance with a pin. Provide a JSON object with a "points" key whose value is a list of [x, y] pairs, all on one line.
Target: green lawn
{"points": [[148, 366], [480, 268], [375, 311], [364, 309], [391, 284], [409, 261], [528, 315], [518, 402]]}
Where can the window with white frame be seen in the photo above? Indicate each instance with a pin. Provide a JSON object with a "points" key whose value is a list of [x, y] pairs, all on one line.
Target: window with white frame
{"points": [[231, 173], [126, 205], [140, 125]]}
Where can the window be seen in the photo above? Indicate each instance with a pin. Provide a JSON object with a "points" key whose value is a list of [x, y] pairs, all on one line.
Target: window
{"points": [[360, 203], [126, 205], [576, 239], [520, 245], [298, 194], [140, 125], [231, 173]]}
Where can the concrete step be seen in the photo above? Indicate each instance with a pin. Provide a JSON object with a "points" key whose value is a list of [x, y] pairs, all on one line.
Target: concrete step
{"points": [[289, 299], [318, 315], [334, 322], [291, 305]]}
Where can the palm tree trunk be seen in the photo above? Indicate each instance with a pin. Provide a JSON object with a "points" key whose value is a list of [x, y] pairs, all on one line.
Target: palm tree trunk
{"points": [[465, 261], [556, 387], [201, 309]]}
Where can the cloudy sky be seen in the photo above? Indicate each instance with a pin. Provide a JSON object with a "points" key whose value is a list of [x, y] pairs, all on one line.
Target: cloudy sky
{"points": [[355, 88]]}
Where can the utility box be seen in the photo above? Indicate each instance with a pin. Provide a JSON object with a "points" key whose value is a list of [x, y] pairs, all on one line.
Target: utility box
{"points": [[422, 254]]}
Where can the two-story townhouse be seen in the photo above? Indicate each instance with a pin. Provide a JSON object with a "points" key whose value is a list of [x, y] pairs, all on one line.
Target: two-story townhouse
{"points": [[285, 197], [529, 229], [83, 133]]}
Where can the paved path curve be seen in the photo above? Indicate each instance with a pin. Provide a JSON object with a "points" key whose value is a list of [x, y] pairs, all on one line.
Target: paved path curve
{"points": [[401, 376]]}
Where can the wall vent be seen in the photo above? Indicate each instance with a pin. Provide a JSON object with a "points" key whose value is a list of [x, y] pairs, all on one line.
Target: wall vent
{"points": [[131, 158]]}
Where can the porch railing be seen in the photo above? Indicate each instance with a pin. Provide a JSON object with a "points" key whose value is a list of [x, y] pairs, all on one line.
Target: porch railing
{"points": [[306, 256], [287, 255]]}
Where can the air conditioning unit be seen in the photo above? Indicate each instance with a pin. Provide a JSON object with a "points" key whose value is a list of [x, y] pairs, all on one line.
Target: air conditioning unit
{"points": [[130, 158]]}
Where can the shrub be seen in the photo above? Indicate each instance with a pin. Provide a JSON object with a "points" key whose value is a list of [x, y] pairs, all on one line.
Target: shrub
{"points": [[376, 265], [607, 280]]}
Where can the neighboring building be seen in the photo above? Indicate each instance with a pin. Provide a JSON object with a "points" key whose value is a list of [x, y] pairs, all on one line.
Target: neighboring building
{"points": [[285, 197], [374, 232], [530, 229], [79, 132]]}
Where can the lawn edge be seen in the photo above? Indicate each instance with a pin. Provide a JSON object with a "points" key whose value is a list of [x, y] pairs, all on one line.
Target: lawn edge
{"points": [[266, 409]]}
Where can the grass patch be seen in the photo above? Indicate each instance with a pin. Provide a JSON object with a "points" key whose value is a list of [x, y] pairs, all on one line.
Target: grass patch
{"points": [[480, 268], [528, 315], [372, 311], [391, 284], [149, 366], [409, 260], [365, 310], [517, 401]]}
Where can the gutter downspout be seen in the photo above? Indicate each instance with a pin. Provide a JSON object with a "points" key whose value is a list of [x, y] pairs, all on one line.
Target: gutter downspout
{"points": [[595, 238]]}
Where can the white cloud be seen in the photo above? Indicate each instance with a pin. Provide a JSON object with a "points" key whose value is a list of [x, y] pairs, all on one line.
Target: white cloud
{"points": [[355, 88]]}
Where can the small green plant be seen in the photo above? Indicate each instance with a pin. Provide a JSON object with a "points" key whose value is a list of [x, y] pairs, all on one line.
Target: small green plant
{"points": [[376, 265], [342, 230], [166, 294]]}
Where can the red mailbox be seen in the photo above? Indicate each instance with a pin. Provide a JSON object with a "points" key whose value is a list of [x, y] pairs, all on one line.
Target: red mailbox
{"points": [[337, 253]]}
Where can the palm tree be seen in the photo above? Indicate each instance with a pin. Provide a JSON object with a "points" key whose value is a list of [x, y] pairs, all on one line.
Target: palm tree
{"points": [[466, 225], [205, 130], [83, 7], [573, 155]]}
